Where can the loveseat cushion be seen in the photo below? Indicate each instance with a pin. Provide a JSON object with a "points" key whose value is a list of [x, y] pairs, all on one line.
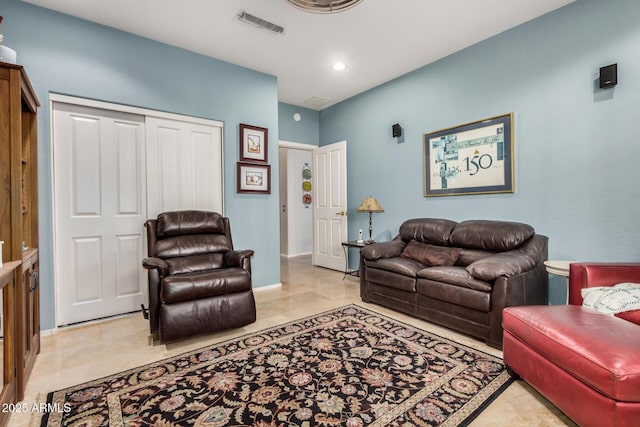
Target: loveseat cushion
{"points": [[456, 276], [457, 295], [405, 266], [497, 236], [430, 255], [427, 230], [599, 349], [398, 273], [203, 284]]}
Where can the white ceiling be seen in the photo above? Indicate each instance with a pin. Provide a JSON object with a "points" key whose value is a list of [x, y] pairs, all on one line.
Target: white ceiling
{"points": [[376, 41]]}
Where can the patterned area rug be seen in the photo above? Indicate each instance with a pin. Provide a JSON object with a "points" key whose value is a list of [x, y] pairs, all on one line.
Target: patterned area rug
{"points": [[346, 367]]}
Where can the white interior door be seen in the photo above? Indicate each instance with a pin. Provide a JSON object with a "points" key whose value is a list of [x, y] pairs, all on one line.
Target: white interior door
{"points": [[330, 205], [184, 166], [100, 204]]}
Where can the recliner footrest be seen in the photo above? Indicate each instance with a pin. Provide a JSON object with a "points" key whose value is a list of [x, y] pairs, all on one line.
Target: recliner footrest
{"points": [[204, 284]]}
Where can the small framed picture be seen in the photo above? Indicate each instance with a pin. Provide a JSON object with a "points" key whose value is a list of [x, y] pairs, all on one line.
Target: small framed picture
{"points": [[254, 178], [253, 143]]}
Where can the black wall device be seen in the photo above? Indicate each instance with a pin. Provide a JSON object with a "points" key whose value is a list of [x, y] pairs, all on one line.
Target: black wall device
{"points": [[396, 130], [609, 76]]}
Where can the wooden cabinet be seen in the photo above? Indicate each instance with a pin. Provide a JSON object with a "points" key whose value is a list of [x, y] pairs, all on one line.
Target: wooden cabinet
{"points": [[19, 212], [8, 393], [29, 313]]}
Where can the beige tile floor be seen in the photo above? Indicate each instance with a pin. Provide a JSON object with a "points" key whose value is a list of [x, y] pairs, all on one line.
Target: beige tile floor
{"points": [[81, 353]]}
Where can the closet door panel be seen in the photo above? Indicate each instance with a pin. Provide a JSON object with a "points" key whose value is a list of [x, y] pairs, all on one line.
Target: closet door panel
{"points": [[100, 202], [184, 168]]}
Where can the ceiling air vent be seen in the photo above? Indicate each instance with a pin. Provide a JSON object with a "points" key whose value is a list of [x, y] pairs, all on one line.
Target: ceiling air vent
{"points": [[260, 23], [316, 102], [323, 6]]}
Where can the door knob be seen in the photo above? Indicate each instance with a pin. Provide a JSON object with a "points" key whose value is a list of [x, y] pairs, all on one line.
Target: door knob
{"points": [[341, 213]]}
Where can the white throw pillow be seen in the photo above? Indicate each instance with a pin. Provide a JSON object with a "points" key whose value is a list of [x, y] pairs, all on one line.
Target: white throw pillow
{"points": [[612, 299]]}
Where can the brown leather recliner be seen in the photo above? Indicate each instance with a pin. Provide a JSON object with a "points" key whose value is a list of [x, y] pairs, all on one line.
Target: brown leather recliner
{"points": [[197, 282]]}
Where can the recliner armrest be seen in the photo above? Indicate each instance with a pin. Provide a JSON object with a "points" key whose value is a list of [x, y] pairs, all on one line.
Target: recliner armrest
{"points": [[239, 259], [157, 264]]}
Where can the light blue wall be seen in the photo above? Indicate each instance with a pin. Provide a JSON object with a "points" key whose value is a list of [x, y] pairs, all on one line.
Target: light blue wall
{"points": [[70, 56], [306, 131], [576, 146]]}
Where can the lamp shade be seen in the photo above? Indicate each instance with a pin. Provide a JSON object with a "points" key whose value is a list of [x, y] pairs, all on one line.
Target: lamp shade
{"points": [[370, 204]]}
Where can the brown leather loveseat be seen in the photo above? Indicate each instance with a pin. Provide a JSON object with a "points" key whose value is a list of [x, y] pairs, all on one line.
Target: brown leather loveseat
{"points": [[459, 275]]}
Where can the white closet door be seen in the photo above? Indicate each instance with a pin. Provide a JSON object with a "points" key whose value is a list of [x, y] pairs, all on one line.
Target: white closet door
{"points": [[99, 209], [184, 166], [112, 171]]}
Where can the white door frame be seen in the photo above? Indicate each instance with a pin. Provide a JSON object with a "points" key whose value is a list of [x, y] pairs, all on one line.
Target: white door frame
{"points": [[295, 146]]}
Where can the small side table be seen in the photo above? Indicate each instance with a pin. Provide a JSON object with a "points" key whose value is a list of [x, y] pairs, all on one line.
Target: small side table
{"points": [[352, 244], [559, 268]]}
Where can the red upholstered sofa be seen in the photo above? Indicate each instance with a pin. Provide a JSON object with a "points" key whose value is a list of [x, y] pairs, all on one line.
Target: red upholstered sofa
{"points": [[585, 362]]}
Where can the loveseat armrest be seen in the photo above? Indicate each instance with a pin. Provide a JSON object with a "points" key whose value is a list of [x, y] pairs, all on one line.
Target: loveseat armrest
{"points": [[511, 263], [591, 274], [382, 250], [530, 288], [501, 264], [239, 259], [153, 263]]}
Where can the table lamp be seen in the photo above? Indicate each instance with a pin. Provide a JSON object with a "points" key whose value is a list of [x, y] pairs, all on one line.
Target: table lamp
{"points": [[370, 204]]}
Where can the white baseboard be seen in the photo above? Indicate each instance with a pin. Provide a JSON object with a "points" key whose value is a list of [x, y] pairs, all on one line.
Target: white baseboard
{"points": [[295, 255], [268, 287], [48, 332]]}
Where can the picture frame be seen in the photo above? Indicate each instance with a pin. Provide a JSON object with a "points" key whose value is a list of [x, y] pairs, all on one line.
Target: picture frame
{"points": [[254, 178], [254, 144], [473, 158]]}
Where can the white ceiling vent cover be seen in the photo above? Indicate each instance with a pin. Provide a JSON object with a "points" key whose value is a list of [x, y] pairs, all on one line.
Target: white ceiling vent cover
{"points": [[260, 23], [323, 6], [316, 102]]}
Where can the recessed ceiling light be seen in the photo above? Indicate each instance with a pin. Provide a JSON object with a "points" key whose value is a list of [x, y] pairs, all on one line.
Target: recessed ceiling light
{"points": [[339, 66]]}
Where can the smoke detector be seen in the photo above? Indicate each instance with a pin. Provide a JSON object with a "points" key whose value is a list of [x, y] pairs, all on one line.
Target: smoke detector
{"points": [[323, 6], [260, 23]]}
